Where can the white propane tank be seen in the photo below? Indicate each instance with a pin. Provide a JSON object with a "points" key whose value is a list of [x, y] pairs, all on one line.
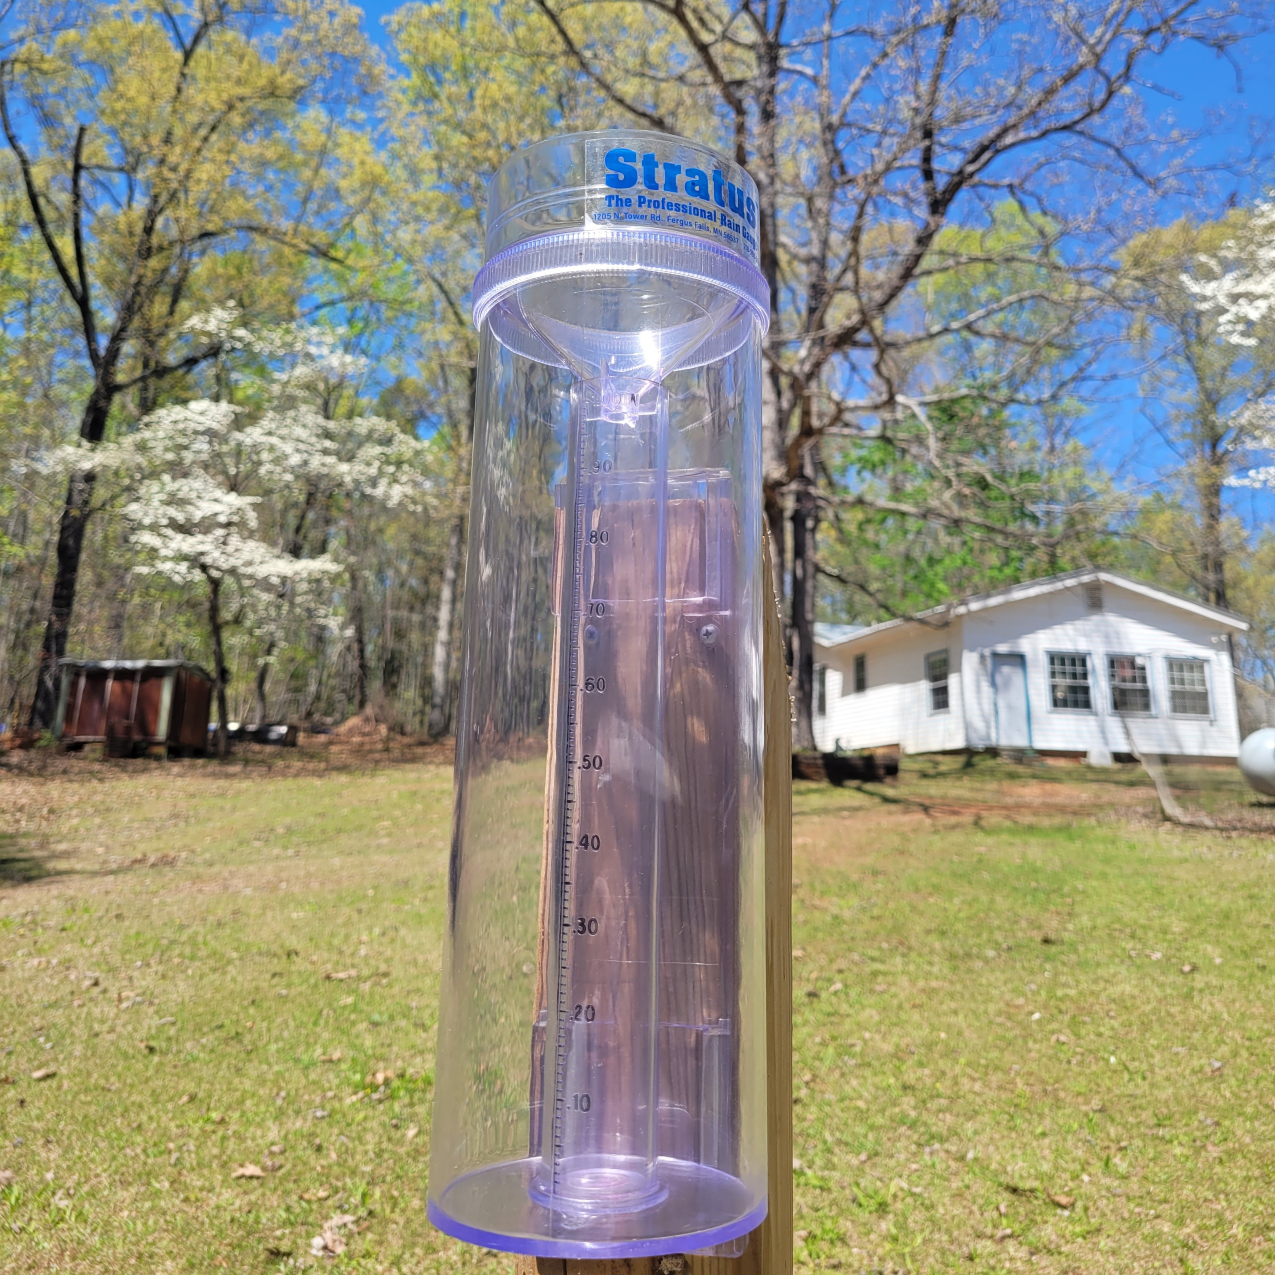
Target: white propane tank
{"points": [[1257, 760]]}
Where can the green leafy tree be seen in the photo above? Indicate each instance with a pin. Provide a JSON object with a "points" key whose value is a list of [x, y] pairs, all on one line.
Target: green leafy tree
{"points": [[1196, 386], [869, 134], [481, 80], [171, 156]]}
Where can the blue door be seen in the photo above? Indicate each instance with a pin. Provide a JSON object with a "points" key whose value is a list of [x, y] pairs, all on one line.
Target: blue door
{"points": [[1013, 713]]}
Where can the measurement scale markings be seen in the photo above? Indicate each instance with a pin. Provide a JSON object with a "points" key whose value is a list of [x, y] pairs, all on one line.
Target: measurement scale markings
{"points": [[567, 837]]}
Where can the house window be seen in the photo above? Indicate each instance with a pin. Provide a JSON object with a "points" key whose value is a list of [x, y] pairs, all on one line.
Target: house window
{"points": [[860, 674], [936, 676], [821, 690], [1069, 681], [1130, 689], [1188, 688]]}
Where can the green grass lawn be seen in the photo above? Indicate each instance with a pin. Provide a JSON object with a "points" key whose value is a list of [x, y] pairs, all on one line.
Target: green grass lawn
{"points": [[1033, 1024]]}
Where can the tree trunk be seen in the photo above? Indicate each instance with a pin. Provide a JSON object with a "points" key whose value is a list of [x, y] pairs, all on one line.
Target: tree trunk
{"points": [[802, 621], [440, 681], [263, 672], [774, 478], [1212, 550], [221, 673], [440, 672], [75, 512], [358, 623]]}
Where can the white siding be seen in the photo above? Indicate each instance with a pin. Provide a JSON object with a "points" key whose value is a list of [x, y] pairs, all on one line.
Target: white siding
{"points": [[1128, 624], [895, 707]]}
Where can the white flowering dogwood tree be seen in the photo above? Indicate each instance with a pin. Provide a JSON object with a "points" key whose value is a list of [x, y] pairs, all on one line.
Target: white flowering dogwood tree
{"points": [[1238, 288], [217, 495]]}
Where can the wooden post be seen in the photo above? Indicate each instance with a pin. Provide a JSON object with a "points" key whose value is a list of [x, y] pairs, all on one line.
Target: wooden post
{"points": [[769, 1250]]}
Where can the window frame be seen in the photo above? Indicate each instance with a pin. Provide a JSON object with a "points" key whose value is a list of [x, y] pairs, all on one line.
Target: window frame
{"points": [[1087, 656], [1147, 661], [821, 690], [1206, 665], [931, 683], [860, 682]]}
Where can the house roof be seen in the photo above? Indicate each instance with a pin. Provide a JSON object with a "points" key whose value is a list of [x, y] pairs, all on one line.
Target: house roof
{"points": [[941, 615], [831, 634], [131, 666]]}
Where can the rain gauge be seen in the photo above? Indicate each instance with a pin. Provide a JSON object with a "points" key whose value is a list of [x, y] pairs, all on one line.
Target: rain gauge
{"points": [[600, 1081]]}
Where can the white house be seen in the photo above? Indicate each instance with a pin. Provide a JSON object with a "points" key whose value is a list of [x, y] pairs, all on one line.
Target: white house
{"points": [[1089, 663]]}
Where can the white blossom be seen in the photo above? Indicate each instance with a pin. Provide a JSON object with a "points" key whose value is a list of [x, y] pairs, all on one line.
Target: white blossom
{"points": [[1240, 288], [209, 490], [1258, 421]]}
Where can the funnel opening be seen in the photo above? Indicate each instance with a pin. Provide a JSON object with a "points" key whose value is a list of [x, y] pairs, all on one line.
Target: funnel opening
{"points": [[568, 300]]}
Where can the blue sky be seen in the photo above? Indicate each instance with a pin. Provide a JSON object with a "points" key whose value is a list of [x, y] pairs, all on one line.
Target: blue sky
{"points": [[1231, 103]]}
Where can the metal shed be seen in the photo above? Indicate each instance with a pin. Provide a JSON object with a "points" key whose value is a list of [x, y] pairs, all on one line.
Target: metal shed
{"points": [[134, 706]]}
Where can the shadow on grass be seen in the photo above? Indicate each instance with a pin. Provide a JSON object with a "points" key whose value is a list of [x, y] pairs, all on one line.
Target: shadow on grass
{"points": [[20, 865]]}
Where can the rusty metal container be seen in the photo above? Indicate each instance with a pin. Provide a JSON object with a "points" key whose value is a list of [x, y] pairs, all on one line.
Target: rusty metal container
{"points": [[134, 706]]}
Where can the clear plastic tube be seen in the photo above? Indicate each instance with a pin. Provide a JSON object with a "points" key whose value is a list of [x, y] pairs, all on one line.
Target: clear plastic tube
{"points": [[600, 1080]]}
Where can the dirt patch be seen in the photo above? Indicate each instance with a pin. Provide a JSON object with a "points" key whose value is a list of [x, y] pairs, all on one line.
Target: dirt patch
{"points": [[314, 753]]}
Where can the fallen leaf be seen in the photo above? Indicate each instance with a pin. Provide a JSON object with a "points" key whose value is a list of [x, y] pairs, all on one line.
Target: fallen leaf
{"points": [[147, 1047], [334, 1056], [1156, 956], [1063, 1201], [272, 1166], [1188, 969], [7, 1080], [6, 1177], [330, 1243], [1215, 1066], [1058, 1038], [340, 976], [836, 987], [184, 1099], [311, 1196], [380, 1077], [321, 1246], [275, 1250], [166, 1022], [277, 1149], [1003, 1234], [249, 1171], [411, 1133], [44, 1073], [319, 1114]]}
